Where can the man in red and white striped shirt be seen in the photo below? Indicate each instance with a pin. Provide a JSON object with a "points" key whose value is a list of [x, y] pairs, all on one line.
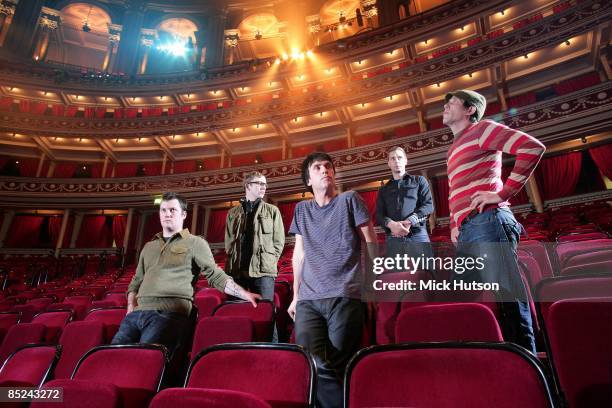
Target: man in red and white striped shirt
{"points": [[478, 199]]}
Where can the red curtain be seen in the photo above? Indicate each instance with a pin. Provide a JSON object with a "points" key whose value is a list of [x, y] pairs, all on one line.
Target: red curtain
{"points": [[154, 168], [602, 156], [287, 210], [28, 167], [216, 225], [184, 166], [370, 199], [557, 176], [522, 100], [71, 111], [521, 197], [576, 84], [440, 193], [119, 226], [125, 169], [55, 226], [6, 103], [96, 232], [65, 170], [152, 227], [24, 232]]}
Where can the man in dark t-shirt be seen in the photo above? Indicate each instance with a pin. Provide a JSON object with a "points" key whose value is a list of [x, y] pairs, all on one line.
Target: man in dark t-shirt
{"points": [[326, 306]]}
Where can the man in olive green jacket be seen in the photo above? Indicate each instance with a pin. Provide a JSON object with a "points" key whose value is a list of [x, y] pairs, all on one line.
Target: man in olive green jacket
{"points": [[254, 239], [160, 295]]}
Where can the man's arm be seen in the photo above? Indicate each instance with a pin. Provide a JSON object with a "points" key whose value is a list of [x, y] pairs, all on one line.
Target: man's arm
{"points": [[135, 284], [424, 205], [368, 236], [278, 233], [216, 277], [528, 151], [298, 262]]}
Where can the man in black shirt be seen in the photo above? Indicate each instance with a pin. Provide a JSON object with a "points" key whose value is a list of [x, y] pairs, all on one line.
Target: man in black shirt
{"points": [[403, 205]]}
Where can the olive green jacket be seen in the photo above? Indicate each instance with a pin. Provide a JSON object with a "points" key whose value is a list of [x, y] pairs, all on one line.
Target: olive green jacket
{"points": [[166, 269], [268, 240]]}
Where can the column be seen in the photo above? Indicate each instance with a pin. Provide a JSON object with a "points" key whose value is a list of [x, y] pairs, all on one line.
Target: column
{"points": [[212, 46], [146, 41], [48, 22], [104, 166], [51, 168], [421, 118], [76, 228], [6, 223], [194, 218], [231, 38], [20, 35], [207, 211], [128, 230], [350, 136], [127, 52], [41, 161], [141, 225], [370, 12], [313, 23], [534, 194], [164, 161], [114, 36], [222, 165], [7, 11], [62, 234]]}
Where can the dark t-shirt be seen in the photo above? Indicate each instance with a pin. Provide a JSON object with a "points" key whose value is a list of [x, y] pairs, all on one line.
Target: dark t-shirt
{"points": [[331, 246]]}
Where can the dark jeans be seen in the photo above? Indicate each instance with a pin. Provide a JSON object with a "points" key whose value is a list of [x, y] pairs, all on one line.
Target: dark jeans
{"points": [[330, 329], [415, 245], [494, 235], [153, 327], [263, 286]]}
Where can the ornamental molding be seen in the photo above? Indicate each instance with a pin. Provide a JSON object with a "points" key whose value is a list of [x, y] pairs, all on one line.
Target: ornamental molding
{"points": [[563, 118]]}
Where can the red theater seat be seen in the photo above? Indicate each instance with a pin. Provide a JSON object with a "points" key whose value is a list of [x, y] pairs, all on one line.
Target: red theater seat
{"points": [[114, 376], [76, 340], [281, 374], [446, 375], [447, 322], [19, 335], [54, 323], [197, 398], [29, 366], [215, 330], [111, 318], [579, 333], [262, 316]]}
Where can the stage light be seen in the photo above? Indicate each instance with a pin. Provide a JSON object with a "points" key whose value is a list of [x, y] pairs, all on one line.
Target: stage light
{"points": [[309, 53], [567, 42], [176, 48], [277, 61], [285, 56]]}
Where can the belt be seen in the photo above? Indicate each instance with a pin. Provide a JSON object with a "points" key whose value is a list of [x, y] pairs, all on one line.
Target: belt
{"points": [[475, 212]]}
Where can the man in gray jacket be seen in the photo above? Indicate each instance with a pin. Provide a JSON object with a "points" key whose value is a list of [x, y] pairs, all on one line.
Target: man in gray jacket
{"points": [[254, 239]]}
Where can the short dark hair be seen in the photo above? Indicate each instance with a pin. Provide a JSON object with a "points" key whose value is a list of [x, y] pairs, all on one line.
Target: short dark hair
{"points": [[171, 195], [311, 158]]}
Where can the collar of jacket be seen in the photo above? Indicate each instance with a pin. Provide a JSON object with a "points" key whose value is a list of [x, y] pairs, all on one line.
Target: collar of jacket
{"points": [[184, 233], [252, 204]]}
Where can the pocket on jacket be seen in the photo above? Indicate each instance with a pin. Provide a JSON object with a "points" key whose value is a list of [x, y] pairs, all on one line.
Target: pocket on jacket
{"points": [[177, 256], [267, 226], [268, 262]]}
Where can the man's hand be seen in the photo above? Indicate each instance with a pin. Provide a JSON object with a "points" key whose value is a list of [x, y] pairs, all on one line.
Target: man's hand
{"points": [[398, 229], [131, 302], [454, 235], [252, 297], [291, 309], [482, 198], [407, 224]]}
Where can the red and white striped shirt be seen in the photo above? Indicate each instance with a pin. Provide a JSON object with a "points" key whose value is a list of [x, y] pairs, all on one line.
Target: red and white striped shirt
{"points": [[475, 163]]}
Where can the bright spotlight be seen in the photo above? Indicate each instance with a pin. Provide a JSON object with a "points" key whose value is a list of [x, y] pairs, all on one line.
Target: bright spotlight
{"points": [[176, 48]]}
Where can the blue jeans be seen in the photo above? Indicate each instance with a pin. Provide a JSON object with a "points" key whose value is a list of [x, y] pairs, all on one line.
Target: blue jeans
{"points": [[153, 327], [415, 245], [494, 235]]}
